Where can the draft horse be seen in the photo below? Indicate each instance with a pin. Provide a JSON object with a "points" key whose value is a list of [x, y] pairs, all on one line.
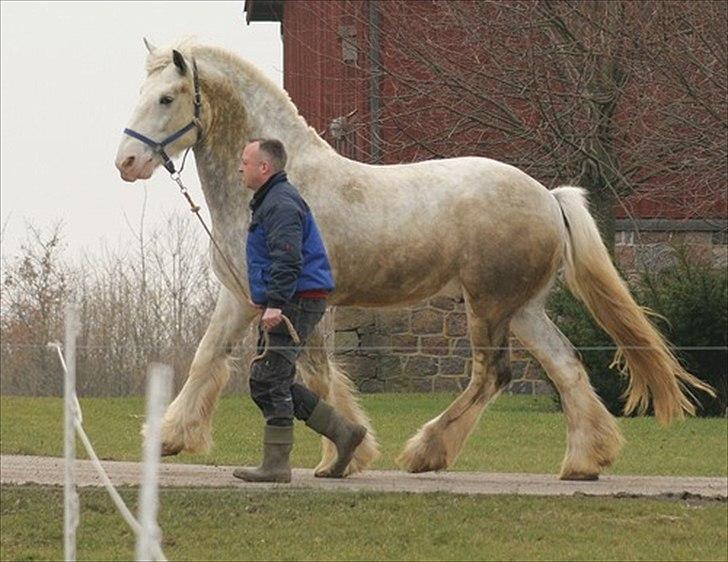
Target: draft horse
{"points": [[469, 227]]}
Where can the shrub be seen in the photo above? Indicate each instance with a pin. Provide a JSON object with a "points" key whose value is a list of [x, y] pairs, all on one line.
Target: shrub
{"points": [[691, 300]]}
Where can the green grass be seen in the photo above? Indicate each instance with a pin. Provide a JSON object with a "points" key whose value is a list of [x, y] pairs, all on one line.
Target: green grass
{"points": [[239, 524], [517, 434]]}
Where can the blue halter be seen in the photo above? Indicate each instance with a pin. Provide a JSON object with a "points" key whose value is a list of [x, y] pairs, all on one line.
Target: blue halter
{"points": [[158, 147]]}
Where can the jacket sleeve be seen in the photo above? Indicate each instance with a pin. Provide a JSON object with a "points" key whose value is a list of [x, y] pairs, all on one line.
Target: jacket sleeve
{"points": [[284, 237]]}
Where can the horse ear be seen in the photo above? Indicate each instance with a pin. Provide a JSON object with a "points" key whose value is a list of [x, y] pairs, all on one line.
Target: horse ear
{"points": [[179, 62], [151, 48]]}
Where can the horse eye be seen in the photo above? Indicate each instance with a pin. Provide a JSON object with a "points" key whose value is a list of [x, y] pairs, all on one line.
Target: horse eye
{"points": [[166, 100]]}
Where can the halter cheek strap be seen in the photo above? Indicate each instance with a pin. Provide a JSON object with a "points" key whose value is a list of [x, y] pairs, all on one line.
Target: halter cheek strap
{"points": [[158, 147]]}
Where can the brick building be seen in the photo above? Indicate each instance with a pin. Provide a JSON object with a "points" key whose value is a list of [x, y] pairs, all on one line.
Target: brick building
{"points": [[336, 62]]}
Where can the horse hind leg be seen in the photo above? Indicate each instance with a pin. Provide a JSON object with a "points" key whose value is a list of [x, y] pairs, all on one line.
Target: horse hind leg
{"points": [[320, 373], [593, 437], [439, 442], [187, 423]]}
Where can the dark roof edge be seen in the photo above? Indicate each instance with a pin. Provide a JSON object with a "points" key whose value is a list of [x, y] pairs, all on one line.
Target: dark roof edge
{"points": [[263, 10]]}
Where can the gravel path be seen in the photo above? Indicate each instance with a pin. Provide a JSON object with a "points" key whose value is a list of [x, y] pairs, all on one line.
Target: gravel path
{"points": [[19, 469]]}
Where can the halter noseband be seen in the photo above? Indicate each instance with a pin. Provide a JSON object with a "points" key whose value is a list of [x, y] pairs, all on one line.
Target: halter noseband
{"points": [[158, 147]]}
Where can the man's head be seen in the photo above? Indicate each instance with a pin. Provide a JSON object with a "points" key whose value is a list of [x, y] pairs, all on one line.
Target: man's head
{"points": [[260, 160]]}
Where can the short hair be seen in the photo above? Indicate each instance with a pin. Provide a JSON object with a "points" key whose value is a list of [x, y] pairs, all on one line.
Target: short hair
{"points": [[275, 150]]}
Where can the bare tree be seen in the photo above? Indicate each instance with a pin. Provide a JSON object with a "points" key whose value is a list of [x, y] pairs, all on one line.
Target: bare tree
{"points": [[147, 304], [34, 289], [618, 97], [143, 304]]}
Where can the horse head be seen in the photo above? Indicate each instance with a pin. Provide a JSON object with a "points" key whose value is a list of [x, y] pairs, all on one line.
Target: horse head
{"points": [[166, 118]]}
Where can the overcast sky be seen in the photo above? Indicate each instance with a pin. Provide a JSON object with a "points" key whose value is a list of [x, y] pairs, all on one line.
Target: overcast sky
{"points": [[71, 73]]}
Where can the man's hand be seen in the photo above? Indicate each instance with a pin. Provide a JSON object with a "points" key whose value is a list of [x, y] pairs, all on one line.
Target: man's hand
{"points": [[271, 318]]}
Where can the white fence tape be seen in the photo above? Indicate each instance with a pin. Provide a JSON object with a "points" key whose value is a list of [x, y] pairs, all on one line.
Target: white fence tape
{"points": [[70, 494], [159, 386]]}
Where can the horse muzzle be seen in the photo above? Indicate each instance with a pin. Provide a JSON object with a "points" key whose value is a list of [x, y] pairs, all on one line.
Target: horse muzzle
{"points": [[135, 167]]}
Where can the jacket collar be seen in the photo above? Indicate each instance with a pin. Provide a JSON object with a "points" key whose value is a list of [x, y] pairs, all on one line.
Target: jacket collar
{"points": [[257, 199]]}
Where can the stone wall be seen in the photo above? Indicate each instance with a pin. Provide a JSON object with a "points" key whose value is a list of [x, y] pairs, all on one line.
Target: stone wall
{"points": [[651, 243], [425, 348], [422, 348]]}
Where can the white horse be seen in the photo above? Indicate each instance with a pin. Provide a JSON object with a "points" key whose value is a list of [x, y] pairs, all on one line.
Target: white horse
{"points": [[396, 235]]}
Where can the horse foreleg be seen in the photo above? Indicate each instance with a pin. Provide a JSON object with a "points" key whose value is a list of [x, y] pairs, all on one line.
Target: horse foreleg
{"points": [[439, 442], [187, 423], [593, 438], [320, 373]]}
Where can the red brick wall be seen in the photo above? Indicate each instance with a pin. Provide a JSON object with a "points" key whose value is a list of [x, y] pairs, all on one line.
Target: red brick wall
{"points": [[321, 83], [324, 87]]}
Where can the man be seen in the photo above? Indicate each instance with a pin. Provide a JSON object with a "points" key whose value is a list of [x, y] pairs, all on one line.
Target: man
{"points": [[289, 274]]}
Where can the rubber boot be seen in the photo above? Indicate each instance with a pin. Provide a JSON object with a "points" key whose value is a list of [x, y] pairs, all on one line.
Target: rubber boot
{"points": [[346, 436], [277, 445]]}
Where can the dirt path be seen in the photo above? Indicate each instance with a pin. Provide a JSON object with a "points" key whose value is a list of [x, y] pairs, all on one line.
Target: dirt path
{"points": [[18, 469]]}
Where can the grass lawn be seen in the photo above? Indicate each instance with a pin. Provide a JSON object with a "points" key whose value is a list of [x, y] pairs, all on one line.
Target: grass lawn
{"points": [[239, 524], [516, 434], [519, 434]]}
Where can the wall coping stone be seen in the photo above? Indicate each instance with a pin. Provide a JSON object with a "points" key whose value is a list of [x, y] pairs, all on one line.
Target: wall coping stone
{"points": [[671, 225]]}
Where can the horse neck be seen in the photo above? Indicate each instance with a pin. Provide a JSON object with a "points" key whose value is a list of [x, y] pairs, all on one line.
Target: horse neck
{"points": [[217, 154], [240, 103], [273, 115]]}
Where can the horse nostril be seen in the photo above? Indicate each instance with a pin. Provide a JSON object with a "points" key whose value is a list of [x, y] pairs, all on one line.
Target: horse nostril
{"points": [[128, 163]]}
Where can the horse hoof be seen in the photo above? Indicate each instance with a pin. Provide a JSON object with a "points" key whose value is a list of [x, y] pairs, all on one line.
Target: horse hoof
{"points": [[419, 469], [322, 472], [415, 461], [580, 476], [170, 451], [328, 472]]}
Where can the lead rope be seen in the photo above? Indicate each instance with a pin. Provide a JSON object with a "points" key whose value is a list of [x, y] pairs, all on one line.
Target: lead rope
{"points": [[266, 339], [196, 210]]}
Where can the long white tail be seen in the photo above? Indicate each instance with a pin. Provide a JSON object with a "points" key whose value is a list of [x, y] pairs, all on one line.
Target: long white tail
{"points": [[643, 353]]}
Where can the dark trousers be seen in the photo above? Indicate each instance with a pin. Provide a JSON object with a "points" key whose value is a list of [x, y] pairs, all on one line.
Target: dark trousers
{"points": [[272, 385]]}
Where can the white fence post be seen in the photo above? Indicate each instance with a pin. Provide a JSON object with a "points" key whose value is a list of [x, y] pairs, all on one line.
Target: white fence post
{"points": [[159, 385], [70, 495]]}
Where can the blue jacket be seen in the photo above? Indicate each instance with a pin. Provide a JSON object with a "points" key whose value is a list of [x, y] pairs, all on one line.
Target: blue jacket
{"points": [[284, 250]]}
